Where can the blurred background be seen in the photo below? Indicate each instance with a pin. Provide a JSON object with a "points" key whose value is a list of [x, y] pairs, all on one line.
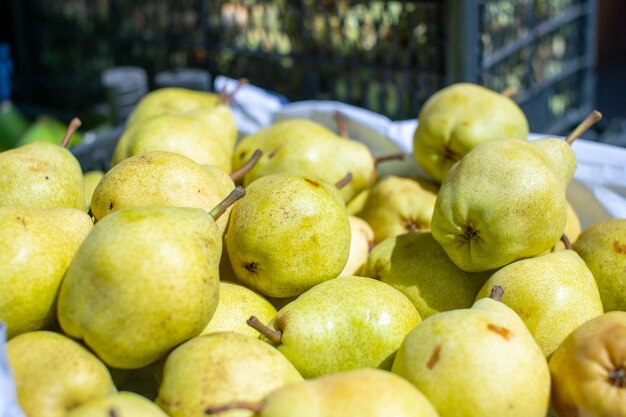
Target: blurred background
{"points": [[96, 58]]}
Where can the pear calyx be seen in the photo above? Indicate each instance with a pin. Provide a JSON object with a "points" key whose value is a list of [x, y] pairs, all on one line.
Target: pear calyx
{"points": [[230, 199], [242, 405], [225, 97], [496, 293], [593, 118], [617, 377], [272, 335], [344, 181], [239, 173], [71, 129]]}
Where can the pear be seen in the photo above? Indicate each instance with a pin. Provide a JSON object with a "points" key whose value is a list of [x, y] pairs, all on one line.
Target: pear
{"points": [[121, 404], [161, 178], [362, 392], [602, 245], [356, 204], [572, 230], [553, 293], [236, 304], [342, 324], [456, 119], [397, 205], [416, 265], [36, 248], [589, 369], [307, 148], [143, 281], [171, 100], [221, 368], [479, 361], [90, 182], [42, 175], [288, 234], [361, 240], [53, 374]]}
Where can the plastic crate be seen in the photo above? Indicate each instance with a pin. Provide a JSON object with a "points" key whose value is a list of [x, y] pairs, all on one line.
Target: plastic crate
{"points": [[386, 56]]}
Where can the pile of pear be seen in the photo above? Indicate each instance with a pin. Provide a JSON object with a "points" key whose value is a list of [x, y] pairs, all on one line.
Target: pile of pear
{"points": [[277, 274]]}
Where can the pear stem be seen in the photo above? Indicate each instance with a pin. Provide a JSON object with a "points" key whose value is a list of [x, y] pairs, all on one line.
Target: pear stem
{"points": [[242, 405], [593, 118], [509, 92], [391, 157], [272, 335], [230, 199], [496, 293], [71, 129], [566, 242], [342, 124], [344, 181], [238, 174], [226, 98]]}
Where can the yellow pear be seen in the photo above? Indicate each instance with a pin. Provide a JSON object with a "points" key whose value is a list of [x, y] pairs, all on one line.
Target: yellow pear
{"points": [[90, 182], [121, 404], [361, 240]]}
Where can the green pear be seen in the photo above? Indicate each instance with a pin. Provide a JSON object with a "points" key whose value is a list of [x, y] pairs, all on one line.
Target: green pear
{"points": [[46, 128], [502, 202], [143, 281], [289, 233], [361, 392], [221, 368], [90, 182], [361, 240], [553, 294], [171, 100], [342, 324], [161, 178], [36, 248], [307, 148], [236, 304], [121, 404], [416, 265], [356, 204], [53, 374], [456, 119], [572, 230], [42, 175], [589, 369], [478, 361], [602, 245], [396, 206]]}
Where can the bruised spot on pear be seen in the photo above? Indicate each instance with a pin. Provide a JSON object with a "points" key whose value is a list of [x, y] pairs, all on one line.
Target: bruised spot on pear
{"points": [[434, 357], [242, 154], [272, 154], [312, 182], [618, 247], [112, 412], [110, 206], [251, 267], [502, 331], [22, 220]]}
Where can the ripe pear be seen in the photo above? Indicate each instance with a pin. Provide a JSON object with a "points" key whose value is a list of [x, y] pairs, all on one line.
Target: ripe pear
{"points": [[397, 205], [572, 230], [221, 368], [288, 234], [42, 175], [171, 100], [36, 247], [553, 294], [479, 361], [356, 204], [236, 304], [143, 281], [53, 374], [90, 182], [602, 245], [361, 240], [307, 148], [161, 178], [416, 265], [342, 324], [502, 202], [121, 404], [362, 392], [589, 369], [456, 119]]}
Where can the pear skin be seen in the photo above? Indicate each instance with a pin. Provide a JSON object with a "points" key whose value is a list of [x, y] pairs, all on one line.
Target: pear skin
{"points": [[121, 404], [53, 374], [90, 182], [602, 246], [588, 369], [361, 240], [36, 248]]}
